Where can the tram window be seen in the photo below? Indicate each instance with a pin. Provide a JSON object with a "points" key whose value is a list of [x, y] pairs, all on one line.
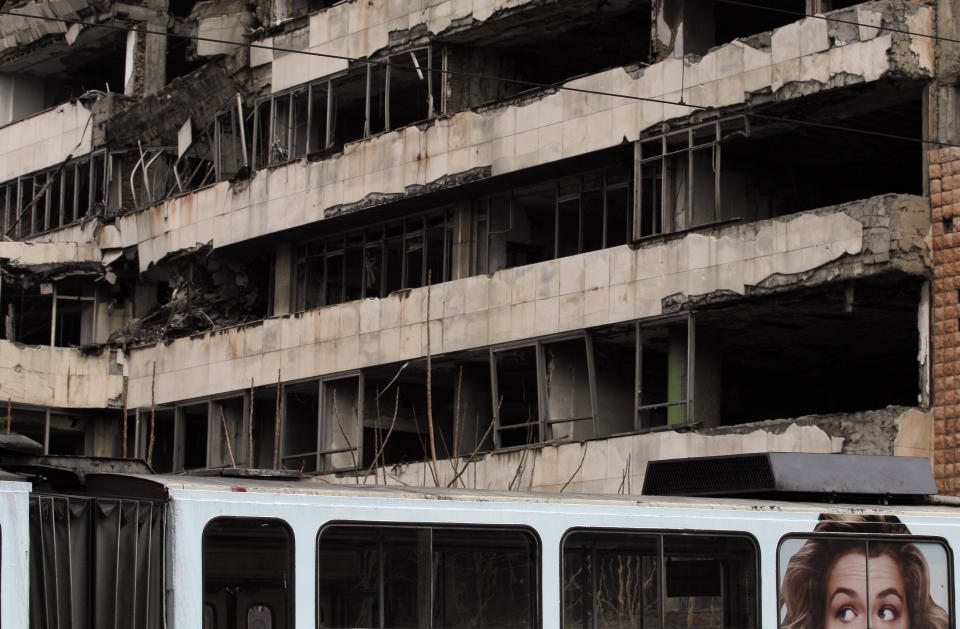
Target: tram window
{"points": [[632, 579], [434, 577], [874, 580], [248, 574]]}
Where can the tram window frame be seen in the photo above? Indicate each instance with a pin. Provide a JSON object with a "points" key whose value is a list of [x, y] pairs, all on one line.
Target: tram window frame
{"points": [[657, 535], [867, 537], [536, 587], [289, 582]]}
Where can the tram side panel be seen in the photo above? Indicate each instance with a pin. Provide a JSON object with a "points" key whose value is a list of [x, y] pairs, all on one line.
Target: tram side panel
{"points": [[14, 554]]}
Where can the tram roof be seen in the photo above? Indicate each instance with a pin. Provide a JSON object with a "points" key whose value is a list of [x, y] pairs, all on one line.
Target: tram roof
{"points": [[934, 505]]}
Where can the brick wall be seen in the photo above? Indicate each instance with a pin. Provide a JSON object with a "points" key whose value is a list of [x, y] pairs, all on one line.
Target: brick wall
{"points": [[945, 207]]}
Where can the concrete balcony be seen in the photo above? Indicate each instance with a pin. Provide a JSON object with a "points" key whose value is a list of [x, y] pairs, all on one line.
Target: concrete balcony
{"points": [[803, 58], [869, 238], [60, 377], [45, 139]]}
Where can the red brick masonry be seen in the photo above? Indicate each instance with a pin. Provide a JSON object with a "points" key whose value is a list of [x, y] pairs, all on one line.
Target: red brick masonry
{"points": [[945, 209]]}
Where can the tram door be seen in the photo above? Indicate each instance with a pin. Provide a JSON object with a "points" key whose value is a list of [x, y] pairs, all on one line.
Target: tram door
{"points": [[247, 574]]}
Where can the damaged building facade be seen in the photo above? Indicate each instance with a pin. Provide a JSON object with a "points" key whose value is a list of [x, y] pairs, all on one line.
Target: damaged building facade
{"points": [[485, 243]]}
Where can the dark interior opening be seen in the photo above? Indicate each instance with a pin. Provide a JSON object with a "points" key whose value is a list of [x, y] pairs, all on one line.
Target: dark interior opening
{"points": [[547, 44], [796, 167], [847, 347], [732, 21]]}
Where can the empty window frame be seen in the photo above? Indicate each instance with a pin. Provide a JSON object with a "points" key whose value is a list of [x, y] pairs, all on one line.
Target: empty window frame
{"points": [[368, 99], [564, 387], [48, 199], [544, 391], [554, 219], [230, 138], [678, 177], [665, 372], [647, 579], [301, 419], [867, 580], [427, 576], [375, 261], [341, 404], [248, 574]]}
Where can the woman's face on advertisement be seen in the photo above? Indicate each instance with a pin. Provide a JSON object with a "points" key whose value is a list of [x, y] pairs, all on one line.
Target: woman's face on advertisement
{"points": [[850, 605]]}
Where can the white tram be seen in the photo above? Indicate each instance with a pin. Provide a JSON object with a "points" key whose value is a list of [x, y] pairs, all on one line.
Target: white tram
{"points": [[233, 552]]}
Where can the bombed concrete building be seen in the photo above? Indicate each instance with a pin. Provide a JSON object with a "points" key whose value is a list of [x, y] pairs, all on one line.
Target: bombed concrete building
{"points": [[491, 243]]}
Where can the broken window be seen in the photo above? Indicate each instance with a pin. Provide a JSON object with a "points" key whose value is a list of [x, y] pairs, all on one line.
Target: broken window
{"points": [[634, 579], [375, 261], [229, 432], [365, 100], [342, 404], [395, 417], [555, 219], [48, 199], [59, 314], [161, 453], [301, 417], [192, 430], [678, 175], [248, 573], [545, 391], [230, 136], [403, 576], [665, 353]]}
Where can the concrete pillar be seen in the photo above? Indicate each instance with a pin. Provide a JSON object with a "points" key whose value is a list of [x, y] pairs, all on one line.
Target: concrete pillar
{"points": [[283, 279]]}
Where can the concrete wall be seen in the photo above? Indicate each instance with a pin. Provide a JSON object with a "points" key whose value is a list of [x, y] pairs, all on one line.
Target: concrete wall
{"points": [[597, 288], [60, 377], [804, 57], [45, 139], [617, 465]]}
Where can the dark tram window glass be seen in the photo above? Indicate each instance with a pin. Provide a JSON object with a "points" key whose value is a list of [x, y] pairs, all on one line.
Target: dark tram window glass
{"points": [[440, 578], [248, 574], [614, 580]]}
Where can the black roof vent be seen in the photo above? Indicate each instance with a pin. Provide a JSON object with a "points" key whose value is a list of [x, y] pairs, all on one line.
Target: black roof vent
{"points": [[792, 474]]}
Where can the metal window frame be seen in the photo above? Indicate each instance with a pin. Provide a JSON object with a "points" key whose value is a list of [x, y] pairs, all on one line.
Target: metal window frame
{"points": [[544, 422], [328, 81], [447, 212], [483, 212], [723, 129], [326, 431], [688, 402]]}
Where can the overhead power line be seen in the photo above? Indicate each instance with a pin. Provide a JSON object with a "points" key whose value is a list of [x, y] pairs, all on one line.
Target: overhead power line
{"points": [[534, 84]]}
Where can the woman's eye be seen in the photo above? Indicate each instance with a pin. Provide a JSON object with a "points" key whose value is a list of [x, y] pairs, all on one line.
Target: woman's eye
{"points": [[846, 614], [888, 613]]}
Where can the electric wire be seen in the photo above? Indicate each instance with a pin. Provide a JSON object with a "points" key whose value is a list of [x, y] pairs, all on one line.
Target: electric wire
{"points": [[539, 85]]}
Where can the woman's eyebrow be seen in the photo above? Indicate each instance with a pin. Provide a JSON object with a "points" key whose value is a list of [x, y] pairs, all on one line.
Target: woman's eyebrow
{"points": [[890, 591], [846, 591]]}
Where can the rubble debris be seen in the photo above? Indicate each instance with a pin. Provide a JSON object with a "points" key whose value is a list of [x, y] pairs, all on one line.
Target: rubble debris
{"points": [[203, 290]]}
